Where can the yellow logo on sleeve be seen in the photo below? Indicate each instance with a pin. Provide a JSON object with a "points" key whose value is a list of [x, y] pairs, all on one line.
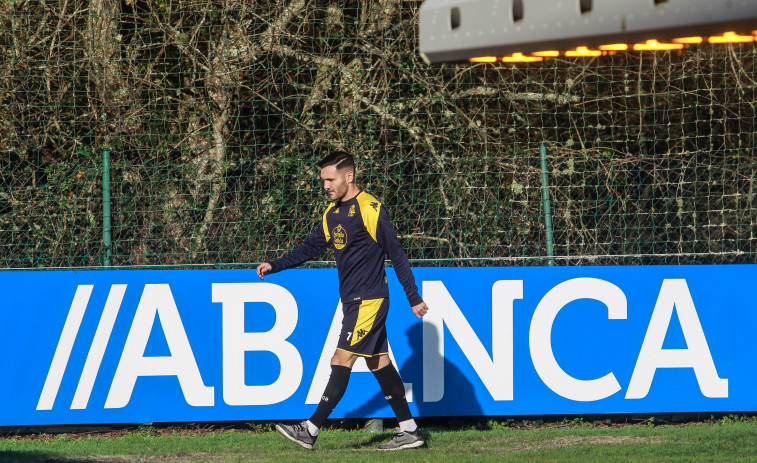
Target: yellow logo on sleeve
{"points": [[339, 236]]}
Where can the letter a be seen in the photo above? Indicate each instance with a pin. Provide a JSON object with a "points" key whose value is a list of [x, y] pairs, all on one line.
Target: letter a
{"points": [[323, 370], [157, 299], [675, 294]]}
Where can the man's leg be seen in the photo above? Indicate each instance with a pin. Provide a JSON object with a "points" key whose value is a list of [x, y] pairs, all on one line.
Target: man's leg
{"points": [[341, 367], [305, 433], [394, 391]]}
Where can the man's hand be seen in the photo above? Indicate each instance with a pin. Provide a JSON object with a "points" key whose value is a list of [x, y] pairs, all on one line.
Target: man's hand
{"points": [[420, 310], [264, 269]]}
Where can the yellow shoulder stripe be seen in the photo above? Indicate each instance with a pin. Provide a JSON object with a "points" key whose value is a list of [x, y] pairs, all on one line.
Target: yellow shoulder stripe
{"points": [[325, 223], [369, 209]]}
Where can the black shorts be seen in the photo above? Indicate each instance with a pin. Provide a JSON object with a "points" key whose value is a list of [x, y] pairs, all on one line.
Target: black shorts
{"points": [[364, 328]]}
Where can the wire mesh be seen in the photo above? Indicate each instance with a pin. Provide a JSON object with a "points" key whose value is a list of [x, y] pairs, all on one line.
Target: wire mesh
{"points": [[216, 113]]}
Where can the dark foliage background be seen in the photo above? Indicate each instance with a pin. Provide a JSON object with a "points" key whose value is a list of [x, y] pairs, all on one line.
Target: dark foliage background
{"points": [[215, 113]]}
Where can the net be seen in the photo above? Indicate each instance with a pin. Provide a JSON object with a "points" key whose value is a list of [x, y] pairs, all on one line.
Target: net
{"points": [[215, 113]]}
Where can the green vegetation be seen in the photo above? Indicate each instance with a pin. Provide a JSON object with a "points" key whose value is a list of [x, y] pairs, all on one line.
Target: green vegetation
{"points": [[732, 438], [215, 112]]}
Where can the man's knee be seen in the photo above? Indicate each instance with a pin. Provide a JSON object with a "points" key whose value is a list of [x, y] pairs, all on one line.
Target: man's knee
{"points": [[343, 358], [378, 362]]}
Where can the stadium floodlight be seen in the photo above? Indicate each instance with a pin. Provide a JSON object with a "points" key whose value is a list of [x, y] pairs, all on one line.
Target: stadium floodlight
{"points": [[508, 30]]}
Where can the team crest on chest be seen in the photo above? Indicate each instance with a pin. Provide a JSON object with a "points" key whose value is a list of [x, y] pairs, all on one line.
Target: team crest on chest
{"points": [[339, 237], [352, 211]]}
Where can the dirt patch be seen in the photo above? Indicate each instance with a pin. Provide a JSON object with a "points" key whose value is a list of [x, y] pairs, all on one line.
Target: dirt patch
{"points": [[563, 442], [176, 457], [566, 441], [50, 433]]}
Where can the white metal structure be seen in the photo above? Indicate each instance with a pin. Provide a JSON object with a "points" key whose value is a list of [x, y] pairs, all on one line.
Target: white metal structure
{"points": [[458, 30]]}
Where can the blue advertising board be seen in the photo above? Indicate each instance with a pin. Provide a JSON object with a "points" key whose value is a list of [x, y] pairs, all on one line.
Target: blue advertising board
{"points": [[86, 347]]}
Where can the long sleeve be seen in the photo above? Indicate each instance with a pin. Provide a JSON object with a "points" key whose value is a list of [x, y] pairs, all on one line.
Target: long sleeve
{"points": [[314, 245], [387, 239]]}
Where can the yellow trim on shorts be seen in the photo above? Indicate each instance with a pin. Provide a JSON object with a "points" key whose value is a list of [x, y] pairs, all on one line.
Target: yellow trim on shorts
{"points": [[362, 355], [366, 316]]}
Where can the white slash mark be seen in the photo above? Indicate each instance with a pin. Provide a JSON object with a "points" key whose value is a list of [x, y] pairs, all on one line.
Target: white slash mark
{"points": [[97, 350], [65, 345]]}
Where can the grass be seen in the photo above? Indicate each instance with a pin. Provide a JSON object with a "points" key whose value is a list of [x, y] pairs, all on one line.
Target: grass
{"points": [[728, 439]]}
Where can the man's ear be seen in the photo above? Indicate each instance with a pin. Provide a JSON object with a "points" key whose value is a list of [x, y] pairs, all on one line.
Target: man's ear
{"points": [[351, 176]]}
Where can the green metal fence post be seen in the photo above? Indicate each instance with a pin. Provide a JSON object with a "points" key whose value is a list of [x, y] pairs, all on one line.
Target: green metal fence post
{"points": [[106, 209], [547, 204]]}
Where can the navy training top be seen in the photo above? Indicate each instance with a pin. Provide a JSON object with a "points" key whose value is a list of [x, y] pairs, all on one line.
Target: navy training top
{"points": [[362, 234]]}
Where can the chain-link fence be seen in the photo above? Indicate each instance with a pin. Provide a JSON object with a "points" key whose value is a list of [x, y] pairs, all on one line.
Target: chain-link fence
{"points": [[215, 113]]}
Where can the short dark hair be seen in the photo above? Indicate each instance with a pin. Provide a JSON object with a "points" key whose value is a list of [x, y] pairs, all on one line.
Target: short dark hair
{"points": [[340, 159]]}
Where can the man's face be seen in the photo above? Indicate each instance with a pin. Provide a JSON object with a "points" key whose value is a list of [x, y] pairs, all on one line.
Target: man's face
{"points": [[336, 181]]}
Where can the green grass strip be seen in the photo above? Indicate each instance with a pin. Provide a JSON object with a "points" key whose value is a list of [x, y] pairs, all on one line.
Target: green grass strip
{"points": [[724, 440]]}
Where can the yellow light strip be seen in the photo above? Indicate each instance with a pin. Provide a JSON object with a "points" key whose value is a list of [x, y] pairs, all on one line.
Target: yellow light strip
{"points": [[677, 44], [614, 47], [582, 52], [655, 45], [483, 59], [521, 58], [731, 37], [547, 54], [689, 40]]}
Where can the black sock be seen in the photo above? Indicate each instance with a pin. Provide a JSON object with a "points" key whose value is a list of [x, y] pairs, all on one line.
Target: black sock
{"points": [[394, 391], [333, 393]]}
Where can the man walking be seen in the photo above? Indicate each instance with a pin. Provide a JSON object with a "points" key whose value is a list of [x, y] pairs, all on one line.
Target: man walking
{"points": [[359, 229]]}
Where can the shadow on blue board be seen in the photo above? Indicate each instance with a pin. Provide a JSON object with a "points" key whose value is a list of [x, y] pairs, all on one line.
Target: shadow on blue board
{"points": [[459, 399]]}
